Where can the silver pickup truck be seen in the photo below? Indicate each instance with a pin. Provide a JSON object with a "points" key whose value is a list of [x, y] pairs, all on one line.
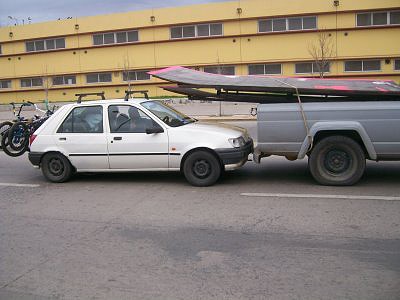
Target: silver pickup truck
{"points": [[337, 137]]}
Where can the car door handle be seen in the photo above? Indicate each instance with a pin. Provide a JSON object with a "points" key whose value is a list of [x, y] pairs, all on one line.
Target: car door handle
{"points": [[62, 139], [117, 138]]}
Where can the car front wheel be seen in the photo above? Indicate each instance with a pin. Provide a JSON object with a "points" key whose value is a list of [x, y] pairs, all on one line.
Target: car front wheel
{"points": [[56, 167], [202, 168]]}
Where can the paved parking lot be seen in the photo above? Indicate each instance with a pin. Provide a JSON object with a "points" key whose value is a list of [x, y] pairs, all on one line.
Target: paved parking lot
{"points": [[263, 232]]}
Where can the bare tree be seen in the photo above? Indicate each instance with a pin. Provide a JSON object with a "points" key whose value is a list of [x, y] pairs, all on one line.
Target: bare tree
{"points": [[322, 51], [47, 84], [126, 72]]}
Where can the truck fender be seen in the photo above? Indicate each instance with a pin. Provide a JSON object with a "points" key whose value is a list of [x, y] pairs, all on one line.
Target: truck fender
{"points": [[337, 126]]}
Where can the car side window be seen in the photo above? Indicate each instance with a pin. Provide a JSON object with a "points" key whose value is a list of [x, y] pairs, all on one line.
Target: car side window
{"points": [[128, 119], [86, 119]]}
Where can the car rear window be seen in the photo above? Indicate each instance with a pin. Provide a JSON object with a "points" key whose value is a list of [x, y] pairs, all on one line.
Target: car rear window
{"points": [[86, 119]]}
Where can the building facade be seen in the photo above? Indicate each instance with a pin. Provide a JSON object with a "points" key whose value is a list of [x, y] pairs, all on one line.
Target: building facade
{"points": [[58, 59]]}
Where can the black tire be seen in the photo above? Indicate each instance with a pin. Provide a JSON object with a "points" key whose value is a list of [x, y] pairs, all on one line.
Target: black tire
{"points": [[5, 145], [22, 142], [3, 128], [202, 168], [337, 160], [56, 167]]}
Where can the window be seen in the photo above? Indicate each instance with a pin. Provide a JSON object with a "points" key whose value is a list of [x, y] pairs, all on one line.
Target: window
{"points": [[397, 64], [267, 69], [224, 70], [362, 65], [311, 68], [64, 80], [0, 51], [120, 37], [135, 75], [5, 84], [32, 82], [379, 18], [88, 119], [43, 45], [128, 119], [192, 31], [287, 24], [98, 77]]}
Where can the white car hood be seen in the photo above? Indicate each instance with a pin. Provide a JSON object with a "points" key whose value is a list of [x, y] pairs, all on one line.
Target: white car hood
{"points": [[229, 130]]}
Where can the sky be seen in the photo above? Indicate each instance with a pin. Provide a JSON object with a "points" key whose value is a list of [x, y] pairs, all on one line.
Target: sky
{"points": [[45, 10]]}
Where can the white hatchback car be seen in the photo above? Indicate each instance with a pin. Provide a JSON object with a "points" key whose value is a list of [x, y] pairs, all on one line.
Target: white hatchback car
{"points": [[135, 135]]}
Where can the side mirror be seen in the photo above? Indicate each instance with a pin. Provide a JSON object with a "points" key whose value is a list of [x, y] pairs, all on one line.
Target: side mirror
{"points": [[155, 129]]}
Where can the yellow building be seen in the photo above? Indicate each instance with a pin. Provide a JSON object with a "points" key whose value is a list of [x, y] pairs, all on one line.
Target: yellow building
{"points": [[107, 53]]}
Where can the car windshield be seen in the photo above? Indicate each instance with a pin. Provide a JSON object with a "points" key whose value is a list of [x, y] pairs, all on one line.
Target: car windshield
{"points": [[167, 114]]}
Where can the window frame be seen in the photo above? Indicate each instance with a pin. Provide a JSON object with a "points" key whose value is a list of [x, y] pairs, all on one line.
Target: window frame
{"points": [[45, 42], [371, 13], [394, 64], [64, 81], [264, 68], [313, 71], [287, 24], [31, 82], [196, 31], [124, 73], [98, 77], [115, 36], [222, 67], [8, 82], [362, 65]]}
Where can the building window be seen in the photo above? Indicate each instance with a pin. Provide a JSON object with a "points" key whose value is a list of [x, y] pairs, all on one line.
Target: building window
{"points": [[64, 80], [224, 70], [32, 82], [193, 31], [116, 37], [362, 65], [287, 24], [5, 84], [135, 75], [379, 18], [397, 64], [267, 69], [43, 45], [98, 77], [1, 51], [311, 68]]}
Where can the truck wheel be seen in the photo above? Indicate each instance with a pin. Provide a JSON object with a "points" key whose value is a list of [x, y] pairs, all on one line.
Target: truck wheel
{"points": [[337, 160], [201, 168], [56, 167]]}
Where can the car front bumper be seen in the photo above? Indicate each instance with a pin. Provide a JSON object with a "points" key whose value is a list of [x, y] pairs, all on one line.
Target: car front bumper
{"points": [[235, 157]]}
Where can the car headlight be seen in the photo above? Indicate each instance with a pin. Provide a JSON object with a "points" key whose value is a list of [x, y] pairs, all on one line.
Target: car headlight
{"points": [[237, 142]]}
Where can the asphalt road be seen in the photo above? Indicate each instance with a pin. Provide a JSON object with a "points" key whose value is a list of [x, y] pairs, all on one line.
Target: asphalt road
{"points": [[153, 236]]}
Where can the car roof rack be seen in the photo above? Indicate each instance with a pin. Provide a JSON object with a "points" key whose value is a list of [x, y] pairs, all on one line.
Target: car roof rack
{"points": [[143, 92], [80, 96]]}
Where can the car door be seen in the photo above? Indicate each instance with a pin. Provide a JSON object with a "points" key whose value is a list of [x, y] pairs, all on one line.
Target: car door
{"points": [[129, 146], [82, 138]]}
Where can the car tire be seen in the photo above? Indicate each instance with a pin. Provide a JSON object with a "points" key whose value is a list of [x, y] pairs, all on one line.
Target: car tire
{"points": [[202, 168], [337, 160], [56, 167]]}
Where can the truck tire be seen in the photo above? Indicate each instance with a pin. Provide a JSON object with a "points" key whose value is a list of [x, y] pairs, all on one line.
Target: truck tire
{"points": [[201, 168], [337, 160], [56, 167]]}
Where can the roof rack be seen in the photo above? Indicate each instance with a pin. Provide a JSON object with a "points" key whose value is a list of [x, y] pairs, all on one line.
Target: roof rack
{"points": [[144, 92], [80, 96]]}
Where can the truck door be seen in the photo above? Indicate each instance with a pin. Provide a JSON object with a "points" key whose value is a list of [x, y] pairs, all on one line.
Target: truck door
{"points": [[129, 147]]}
